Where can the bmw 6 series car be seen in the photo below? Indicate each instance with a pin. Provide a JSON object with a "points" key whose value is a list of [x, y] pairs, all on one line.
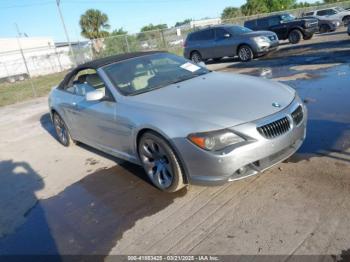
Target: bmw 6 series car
{"points": [[181, 122]]}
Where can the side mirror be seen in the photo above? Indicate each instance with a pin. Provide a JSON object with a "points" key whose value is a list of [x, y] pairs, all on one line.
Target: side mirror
{"points": [[202, 64], [227, 35], [94, 96]]}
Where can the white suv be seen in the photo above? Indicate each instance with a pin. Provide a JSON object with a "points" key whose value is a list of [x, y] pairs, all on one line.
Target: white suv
{"points": [[337, 13]]}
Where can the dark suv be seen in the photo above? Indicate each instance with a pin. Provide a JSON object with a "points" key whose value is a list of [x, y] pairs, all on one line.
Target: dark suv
{"points": [[286, 26], [228, 40]]}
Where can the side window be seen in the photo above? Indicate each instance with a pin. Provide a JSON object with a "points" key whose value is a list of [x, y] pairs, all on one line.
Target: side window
{"points": [[85, 81], [332, 12], [192, 37], [326, 12], [220, 33], [206, 35], [273, 21], [309, 14], [263, 23]]}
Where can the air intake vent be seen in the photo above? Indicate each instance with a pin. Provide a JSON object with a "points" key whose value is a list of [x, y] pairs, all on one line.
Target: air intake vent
{"points": [[275, 128], [298, 115]]}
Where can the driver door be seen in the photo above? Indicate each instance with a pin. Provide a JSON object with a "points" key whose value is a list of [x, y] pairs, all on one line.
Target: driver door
{"points": [[95, 121], [225, 43]]}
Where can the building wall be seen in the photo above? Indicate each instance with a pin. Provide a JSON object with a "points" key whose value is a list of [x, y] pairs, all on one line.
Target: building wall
{"points": [[40, 54]]}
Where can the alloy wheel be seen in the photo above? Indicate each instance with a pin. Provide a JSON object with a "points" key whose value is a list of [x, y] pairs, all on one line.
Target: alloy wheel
{"points": [[245, 53], [196, 58], [156, 163], [61, 129]]}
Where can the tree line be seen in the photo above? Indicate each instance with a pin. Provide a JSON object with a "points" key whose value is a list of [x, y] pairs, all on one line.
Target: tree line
{"points": [[95, 24], [253, 7]]}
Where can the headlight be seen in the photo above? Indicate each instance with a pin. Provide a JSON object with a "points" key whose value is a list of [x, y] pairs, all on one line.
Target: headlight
{"points": [[216, 140], [261, 39]]}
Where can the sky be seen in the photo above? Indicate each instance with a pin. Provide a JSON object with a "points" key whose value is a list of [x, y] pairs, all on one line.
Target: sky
{"points": [[41, 18]]}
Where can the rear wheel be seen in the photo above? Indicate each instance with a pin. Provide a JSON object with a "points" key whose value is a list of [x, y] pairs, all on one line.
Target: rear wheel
{"points": [[196, 57], [160, 162], [61, 129], [324, 29], [245, 53], [295, 36]]}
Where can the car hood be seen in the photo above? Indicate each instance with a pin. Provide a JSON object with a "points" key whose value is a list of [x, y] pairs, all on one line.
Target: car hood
{"points": [[221, 99]]}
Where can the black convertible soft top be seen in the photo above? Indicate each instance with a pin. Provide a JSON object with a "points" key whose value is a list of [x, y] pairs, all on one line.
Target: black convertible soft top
{"points": [[97, 63]]}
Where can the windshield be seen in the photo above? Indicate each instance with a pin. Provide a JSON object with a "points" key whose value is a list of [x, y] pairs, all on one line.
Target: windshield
{"points": [[287, 17], [339, 9], [146, 73], [239, 30]]}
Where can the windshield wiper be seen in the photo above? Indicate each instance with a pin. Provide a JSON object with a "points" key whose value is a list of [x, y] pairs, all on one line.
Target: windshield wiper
{"points": [[166, 84], [188, 78]]}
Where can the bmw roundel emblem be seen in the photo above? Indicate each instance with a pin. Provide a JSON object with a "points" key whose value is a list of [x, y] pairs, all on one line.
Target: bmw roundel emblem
{"points": [[275, 104]]}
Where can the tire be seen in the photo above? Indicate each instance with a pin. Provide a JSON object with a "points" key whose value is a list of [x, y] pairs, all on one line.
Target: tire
{"points": [[196, 57], [346, 20], [324, 29], [160, 162], [295, 36], [245, 53], [61, 129], [308, 37]]}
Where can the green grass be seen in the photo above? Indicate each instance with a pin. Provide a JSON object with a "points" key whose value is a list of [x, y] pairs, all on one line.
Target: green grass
{"points": [[21, 91]]}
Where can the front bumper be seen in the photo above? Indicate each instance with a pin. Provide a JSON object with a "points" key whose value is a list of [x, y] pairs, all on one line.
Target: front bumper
{"points": [[267, 47], [311, 31], [237, 162]]}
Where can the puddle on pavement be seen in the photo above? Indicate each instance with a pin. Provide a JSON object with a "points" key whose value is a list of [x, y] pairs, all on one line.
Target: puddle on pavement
{"points": [[327, 95], [328, 103], [90, 216]]}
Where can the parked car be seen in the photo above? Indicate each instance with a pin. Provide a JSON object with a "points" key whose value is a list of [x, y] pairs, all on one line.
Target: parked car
{"points": [[336, 13], [349, 29], [326, 24], [286, 26], [180, 121], [228, 40]]}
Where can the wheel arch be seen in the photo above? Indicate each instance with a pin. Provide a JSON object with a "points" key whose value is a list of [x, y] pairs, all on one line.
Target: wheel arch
{"points": [[242, 44], [194, 51], [296, 28], [170, 143], [345, 17]]}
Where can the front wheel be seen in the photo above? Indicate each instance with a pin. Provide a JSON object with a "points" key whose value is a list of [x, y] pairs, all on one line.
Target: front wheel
{"points": [[245, 53], [295, 36], [160, 162], [61, 129]]}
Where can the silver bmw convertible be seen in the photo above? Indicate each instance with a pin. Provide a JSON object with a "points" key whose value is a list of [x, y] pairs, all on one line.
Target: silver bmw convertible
{"points": [[183, 123]]}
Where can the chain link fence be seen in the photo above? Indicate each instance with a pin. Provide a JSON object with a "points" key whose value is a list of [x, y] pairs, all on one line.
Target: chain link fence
{"points": [[51, 61]]}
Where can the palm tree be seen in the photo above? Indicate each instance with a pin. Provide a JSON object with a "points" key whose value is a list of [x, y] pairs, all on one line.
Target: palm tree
{"points": [[93, 25]]}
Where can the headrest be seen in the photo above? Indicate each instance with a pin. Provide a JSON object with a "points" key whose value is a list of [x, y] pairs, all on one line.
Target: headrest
{"points": [[82, 78], [93, 80]]}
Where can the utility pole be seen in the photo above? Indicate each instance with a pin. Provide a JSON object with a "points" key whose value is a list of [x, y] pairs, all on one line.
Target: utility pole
{"points": [[24, 59], [65, 30]]}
